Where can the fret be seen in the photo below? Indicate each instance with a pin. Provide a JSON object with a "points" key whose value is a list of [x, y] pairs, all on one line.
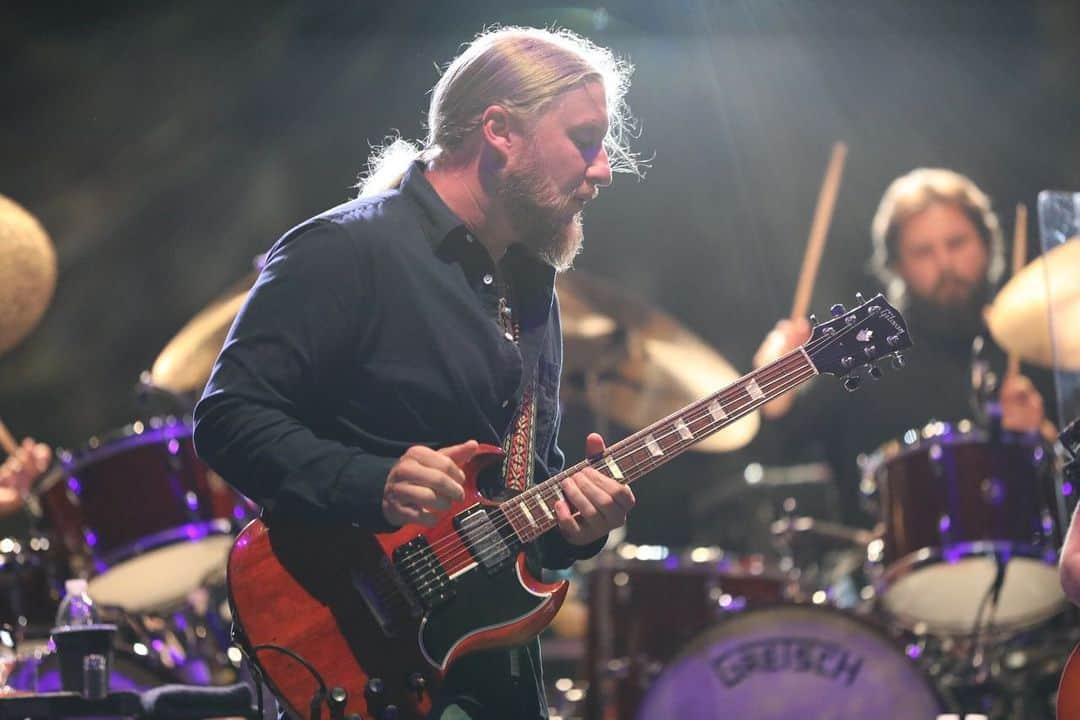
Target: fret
{"points": [[525, 511], [683, 430], [544, 506], [616, 471], [717, 411], [515, 519], [754, 390]]}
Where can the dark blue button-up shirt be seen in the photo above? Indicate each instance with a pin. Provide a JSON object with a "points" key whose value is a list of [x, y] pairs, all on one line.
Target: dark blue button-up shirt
{"points": [[374, 327]]}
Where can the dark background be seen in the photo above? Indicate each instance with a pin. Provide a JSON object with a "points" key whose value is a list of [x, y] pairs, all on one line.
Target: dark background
{"points": [[163, 145]]}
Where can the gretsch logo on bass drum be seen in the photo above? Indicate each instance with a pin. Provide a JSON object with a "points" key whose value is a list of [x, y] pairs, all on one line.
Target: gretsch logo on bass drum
{"points": [[787, 654]]}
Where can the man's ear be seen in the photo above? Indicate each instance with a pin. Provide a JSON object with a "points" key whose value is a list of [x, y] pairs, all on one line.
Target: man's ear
{"points": [[500, 131]]}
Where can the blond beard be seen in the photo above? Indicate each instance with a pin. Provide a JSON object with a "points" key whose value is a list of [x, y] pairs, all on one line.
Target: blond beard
{"points": [[540, 214]]}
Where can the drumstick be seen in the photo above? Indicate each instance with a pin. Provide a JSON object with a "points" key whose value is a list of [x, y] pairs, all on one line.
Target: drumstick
{"points": [[7, 441], [1019, 259], [815, 245]]}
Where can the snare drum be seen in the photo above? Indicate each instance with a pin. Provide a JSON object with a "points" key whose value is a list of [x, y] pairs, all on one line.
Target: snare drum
{"points": [[963, 516], [642, 611], [791, 661], [144, 513]]}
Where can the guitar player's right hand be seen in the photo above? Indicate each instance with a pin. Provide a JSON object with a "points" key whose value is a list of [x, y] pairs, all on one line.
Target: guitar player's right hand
{"points": [[782, 339], [424, 483]]}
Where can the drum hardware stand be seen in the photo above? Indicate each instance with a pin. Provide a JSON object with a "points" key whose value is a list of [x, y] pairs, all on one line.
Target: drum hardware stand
{"points": [[1070, 440]]}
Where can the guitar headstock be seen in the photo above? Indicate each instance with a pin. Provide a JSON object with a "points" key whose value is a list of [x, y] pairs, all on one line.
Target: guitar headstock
{"points": [[857, 338]]}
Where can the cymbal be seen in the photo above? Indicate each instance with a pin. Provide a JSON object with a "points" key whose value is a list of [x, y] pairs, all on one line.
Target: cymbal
{"points": [[27, 273], [1020, 317], [185, 363], [634, 364]]}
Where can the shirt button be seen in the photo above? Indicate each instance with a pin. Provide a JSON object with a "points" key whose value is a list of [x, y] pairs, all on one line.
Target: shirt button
{"points": [[506, 403], [488, 279]]}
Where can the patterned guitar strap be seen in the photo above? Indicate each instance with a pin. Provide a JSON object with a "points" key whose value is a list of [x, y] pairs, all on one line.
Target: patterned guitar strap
{"points": [[518, 443]]}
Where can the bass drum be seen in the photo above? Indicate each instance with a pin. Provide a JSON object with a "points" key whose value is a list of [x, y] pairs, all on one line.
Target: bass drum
{"points": [[791, 661]]}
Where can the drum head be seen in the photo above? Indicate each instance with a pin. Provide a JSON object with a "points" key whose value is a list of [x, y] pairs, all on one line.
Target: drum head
{"points": [[161, 577], [791, 662], [945, 597]]}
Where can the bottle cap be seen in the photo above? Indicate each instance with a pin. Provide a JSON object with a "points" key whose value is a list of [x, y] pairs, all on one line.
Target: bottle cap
{"points": [[75, 586]]}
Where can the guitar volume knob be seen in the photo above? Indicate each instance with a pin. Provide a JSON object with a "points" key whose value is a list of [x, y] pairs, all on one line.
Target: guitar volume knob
{"points": [[417, 683], [374, 688]]}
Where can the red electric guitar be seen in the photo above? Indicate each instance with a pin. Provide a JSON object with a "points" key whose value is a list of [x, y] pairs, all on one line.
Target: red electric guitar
{"points": [[367, 624], [1068, 698]]}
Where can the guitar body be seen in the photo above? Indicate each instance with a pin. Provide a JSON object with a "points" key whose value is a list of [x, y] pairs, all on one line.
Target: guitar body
{"points": [[1068, 698], [381, 616]]}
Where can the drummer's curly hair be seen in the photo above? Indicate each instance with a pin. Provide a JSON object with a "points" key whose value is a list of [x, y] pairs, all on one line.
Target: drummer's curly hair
{"points": [[910, 194]]}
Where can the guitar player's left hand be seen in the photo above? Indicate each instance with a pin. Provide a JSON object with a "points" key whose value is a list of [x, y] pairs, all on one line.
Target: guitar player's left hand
{"points": [[601, 503]]}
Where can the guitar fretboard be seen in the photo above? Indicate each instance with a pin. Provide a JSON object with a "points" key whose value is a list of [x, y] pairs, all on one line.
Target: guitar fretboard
{"points": [[532, 512]]}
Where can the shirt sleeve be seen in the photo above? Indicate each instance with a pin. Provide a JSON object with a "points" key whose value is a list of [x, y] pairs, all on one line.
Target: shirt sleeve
{"points": [[556, 552], [281, 368]]}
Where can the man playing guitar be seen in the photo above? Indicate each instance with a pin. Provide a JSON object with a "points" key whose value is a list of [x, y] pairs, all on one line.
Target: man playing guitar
{"points": [[386, 337]]}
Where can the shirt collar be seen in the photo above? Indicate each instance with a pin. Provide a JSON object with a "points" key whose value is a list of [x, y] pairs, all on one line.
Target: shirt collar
{"points": [[438, 220], [440, 224]]}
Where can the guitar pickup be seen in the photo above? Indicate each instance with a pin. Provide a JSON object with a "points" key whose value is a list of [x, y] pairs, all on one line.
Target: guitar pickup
{"points": [[483, 539]]}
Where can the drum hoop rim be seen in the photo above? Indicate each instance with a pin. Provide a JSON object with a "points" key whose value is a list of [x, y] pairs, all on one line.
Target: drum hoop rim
{"points": [[912, 562], [726, 567], [950, 434], [114, 442], [177, 535]]}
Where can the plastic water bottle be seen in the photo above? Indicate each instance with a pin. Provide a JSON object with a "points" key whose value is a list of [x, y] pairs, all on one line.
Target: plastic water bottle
{"points": [[76, 609]]}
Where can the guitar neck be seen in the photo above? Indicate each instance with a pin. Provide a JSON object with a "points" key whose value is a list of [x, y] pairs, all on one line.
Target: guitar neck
{"points": [[532, 512]]}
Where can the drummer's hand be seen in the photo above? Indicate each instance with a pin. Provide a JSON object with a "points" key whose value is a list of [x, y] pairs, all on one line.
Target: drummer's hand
{"points": [[424, 483], [19, 471], [782, 339], [601, 503], [1021, 405]]}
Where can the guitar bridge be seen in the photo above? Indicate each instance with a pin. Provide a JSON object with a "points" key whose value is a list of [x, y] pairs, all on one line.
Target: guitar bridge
{"points": [[422, 572]]}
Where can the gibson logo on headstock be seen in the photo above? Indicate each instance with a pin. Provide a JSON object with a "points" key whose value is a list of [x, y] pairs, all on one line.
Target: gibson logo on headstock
{"points": [[792, 654]]}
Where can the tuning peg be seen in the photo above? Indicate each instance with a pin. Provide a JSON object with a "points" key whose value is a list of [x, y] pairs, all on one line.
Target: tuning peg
{"points": [[837, 310], [852, 383], [813, 320], [875, 372], [859, 298], [898, 361]]}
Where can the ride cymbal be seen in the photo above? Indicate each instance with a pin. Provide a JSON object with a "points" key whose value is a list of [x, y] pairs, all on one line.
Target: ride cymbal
{"points": [[184, 365], [1021, 315], [633, 364]]}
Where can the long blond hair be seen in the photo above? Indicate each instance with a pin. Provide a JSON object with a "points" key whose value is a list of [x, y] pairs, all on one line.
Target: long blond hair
{"points": [[523, 69]]}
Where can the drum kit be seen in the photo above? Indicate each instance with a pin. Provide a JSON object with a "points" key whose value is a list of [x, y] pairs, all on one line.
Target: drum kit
{"points": [[134, 510], [950, 603], [929, 614]]}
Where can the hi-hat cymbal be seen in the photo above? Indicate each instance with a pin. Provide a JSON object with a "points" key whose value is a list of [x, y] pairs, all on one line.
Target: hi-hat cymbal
{"points": [[1020, 317], [184, 365], [27, 273], [634, 364]]}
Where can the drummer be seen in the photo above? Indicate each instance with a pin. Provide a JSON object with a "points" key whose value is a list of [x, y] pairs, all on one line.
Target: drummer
{"points": [[17, 474], [937, 249]]}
